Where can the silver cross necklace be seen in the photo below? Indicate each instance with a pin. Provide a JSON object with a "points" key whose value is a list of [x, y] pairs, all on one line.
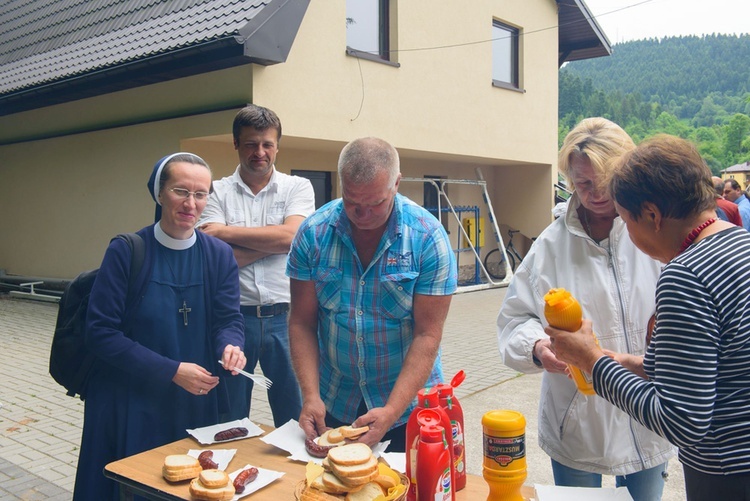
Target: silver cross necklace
{"points": [[185, 308]]}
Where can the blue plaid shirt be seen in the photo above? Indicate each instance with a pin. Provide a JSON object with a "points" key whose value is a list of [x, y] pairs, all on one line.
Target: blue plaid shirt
{"points": [[365, 321]]}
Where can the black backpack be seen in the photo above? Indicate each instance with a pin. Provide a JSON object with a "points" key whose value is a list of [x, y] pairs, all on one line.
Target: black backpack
{"points": [[70, 362]]}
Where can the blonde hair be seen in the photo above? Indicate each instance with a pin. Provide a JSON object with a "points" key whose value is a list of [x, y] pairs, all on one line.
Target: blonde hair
{"points": [[597, 139]]}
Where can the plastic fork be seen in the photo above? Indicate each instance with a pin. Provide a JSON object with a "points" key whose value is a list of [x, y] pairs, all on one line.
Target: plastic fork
{"points": [[261, 380]]}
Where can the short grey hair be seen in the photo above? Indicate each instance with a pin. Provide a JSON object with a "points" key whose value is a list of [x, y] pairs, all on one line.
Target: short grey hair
{"points": [[363, 159]]}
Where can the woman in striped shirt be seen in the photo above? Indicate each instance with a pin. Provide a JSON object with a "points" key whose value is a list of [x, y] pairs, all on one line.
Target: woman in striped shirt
{"points": [[693, 384]]}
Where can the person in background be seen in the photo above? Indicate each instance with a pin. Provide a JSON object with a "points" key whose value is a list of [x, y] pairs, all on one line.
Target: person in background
{"points": [[726, 210], [587, 251], [733, 192], [157, 365], [693, 384], [258, 210], [372, 276]]}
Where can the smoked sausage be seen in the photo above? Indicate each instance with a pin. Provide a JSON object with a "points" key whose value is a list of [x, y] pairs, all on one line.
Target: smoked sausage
{"points": [[231, 433], [244, 478], [205, 458], [315, 450]]}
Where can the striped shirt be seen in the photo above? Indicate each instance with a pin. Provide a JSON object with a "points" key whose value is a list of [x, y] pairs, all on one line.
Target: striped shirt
{"points": [[698, 363], [365, 321]]}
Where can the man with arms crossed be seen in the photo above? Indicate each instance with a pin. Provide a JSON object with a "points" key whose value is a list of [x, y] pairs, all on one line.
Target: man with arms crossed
{"points": [[257, 210], [372, 275]]}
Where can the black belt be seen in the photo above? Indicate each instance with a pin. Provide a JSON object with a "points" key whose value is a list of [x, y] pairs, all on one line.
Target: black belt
{"points": [[265, 310]]}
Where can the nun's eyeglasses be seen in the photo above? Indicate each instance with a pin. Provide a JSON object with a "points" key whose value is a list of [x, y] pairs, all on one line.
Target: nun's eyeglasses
{"points": [[199, 196]]}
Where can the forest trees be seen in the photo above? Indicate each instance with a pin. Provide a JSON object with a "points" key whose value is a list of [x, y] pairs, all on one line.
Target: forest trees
{"points": [[697, 88]]}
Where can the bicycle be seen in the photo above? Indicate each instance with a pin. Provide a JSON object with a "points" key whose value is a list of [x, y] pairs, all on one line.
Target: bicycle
{"points": [[494, 261]]}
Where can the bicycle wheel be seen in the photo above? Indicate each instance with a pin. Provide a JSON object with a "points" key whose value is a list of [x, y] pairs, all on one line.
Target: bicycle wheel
{"points": [[495, 264], [513, 261], [514, 258]]}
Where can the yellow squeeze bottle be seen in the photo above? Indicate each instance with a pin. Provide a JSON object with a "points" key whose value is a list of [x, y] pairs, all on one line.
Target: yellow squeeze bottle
{"points": [[504, 447], [563, 312]]}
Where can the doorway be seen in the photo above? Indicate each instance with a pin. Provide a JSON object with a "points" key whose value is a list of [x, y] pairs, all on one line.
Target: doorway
{"points": [[321, 183]]}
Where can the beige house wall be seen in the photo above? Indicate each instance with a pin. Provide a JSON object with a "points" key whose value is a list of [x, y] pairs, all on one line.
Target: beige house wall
{"points": [[75, 174], [742, 177]]}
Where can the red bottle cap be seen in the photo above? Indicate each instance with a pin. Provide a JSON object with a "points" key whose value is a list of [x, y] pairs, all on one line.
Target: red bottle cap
{"points": [[444, 390], [428, 398], [458, 379], [432, 434], [428, 417]]}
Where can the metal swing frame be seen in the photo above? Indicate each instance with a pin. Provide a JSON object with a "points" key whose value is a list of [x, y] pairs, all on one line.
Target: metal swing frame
{"points": [[438, 185]]}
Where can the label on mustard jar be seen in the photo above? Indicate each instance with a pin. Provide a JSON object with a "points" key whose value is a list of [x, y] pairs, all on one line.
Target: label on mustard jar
{"points": [[504, 450]]}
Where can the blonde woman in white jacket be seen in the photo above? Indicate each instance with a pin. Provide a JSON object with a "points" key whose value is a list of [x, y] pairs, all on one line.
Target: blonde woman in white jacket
{"points": [[588, 252]]}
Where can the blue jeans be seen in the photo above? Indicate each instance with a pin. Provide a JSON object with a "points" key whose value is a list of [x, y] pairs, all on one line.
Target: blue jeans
{"points": [[645, 485], [267, 342]]}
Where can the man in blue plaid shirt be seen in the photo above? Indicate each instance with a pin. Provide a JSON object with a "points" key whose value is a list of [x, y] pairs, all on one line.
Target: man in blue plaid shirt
{"points": [[372, 276]]}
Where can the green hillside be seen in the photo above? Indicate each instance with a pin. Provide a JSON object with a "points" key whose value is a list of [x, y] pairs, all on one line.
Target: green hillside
{"points": [[694, 87]]}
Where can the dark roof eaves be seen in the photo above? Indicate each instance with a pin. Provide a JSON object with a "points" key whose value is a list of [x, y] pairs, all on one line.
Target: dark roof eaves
{"points": [[161, 66]]}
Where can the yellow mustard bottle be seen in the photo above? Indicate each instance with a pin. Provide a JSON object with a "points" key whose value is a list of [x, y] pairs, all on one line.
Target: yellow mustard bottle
{"points": [[504, 446], [563, 312]]}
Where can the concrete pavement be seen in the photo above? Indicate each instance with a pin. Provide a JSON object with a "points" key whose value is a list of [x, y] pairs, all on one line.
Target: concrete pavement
{"points": [[40, 427]]}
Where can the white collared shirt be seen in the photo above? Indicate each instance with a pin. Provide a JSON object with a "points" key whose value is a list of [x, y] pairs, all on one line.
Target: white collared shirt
{"points": [[234, 204]]}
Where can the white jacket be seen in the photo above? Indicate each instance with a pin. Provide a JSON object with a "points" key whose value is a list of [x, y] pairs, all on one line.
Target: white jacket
{"points": [[615, 284]]}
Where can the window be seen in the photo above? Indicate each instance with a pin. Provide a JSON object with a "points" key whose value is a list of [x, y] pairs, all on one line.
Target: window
{"points": [[504, 56], [367, 29]]}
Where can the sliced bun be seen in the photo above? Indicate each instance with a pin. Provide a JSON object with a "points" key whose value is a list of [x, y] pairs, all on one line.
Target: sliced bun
{"points": [[351, 432], [201, 492], [177, 462], [214, 478], [317, 483], [310, 494], [348, 469], [333, 484], [350, 454], [355, 482], [369, 492], [180, 476], [179, 467], [325, 441], [335, 436], [357, 470]]}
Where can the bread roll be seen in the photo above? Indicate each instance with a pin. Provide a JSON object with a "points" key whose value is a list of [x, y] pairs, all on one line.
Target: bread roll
{"points": [[310, 494], [351, 432], [213, 478], [203, 493], [356, 470], [179, 467], [350, 454], [335, 436], [369, 492], [334, 485]]}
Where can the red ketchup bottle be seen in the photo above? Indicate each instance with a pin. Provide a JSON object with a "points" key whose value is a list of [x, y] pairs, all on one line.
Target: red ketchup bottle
{"points": [[452, 406], [427, 398], [434, 462]]}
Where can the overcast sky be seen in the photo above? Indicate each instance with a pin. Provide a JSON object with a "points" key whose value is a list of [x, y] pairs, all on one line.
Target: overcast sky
{"points": [[624, 20]]}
